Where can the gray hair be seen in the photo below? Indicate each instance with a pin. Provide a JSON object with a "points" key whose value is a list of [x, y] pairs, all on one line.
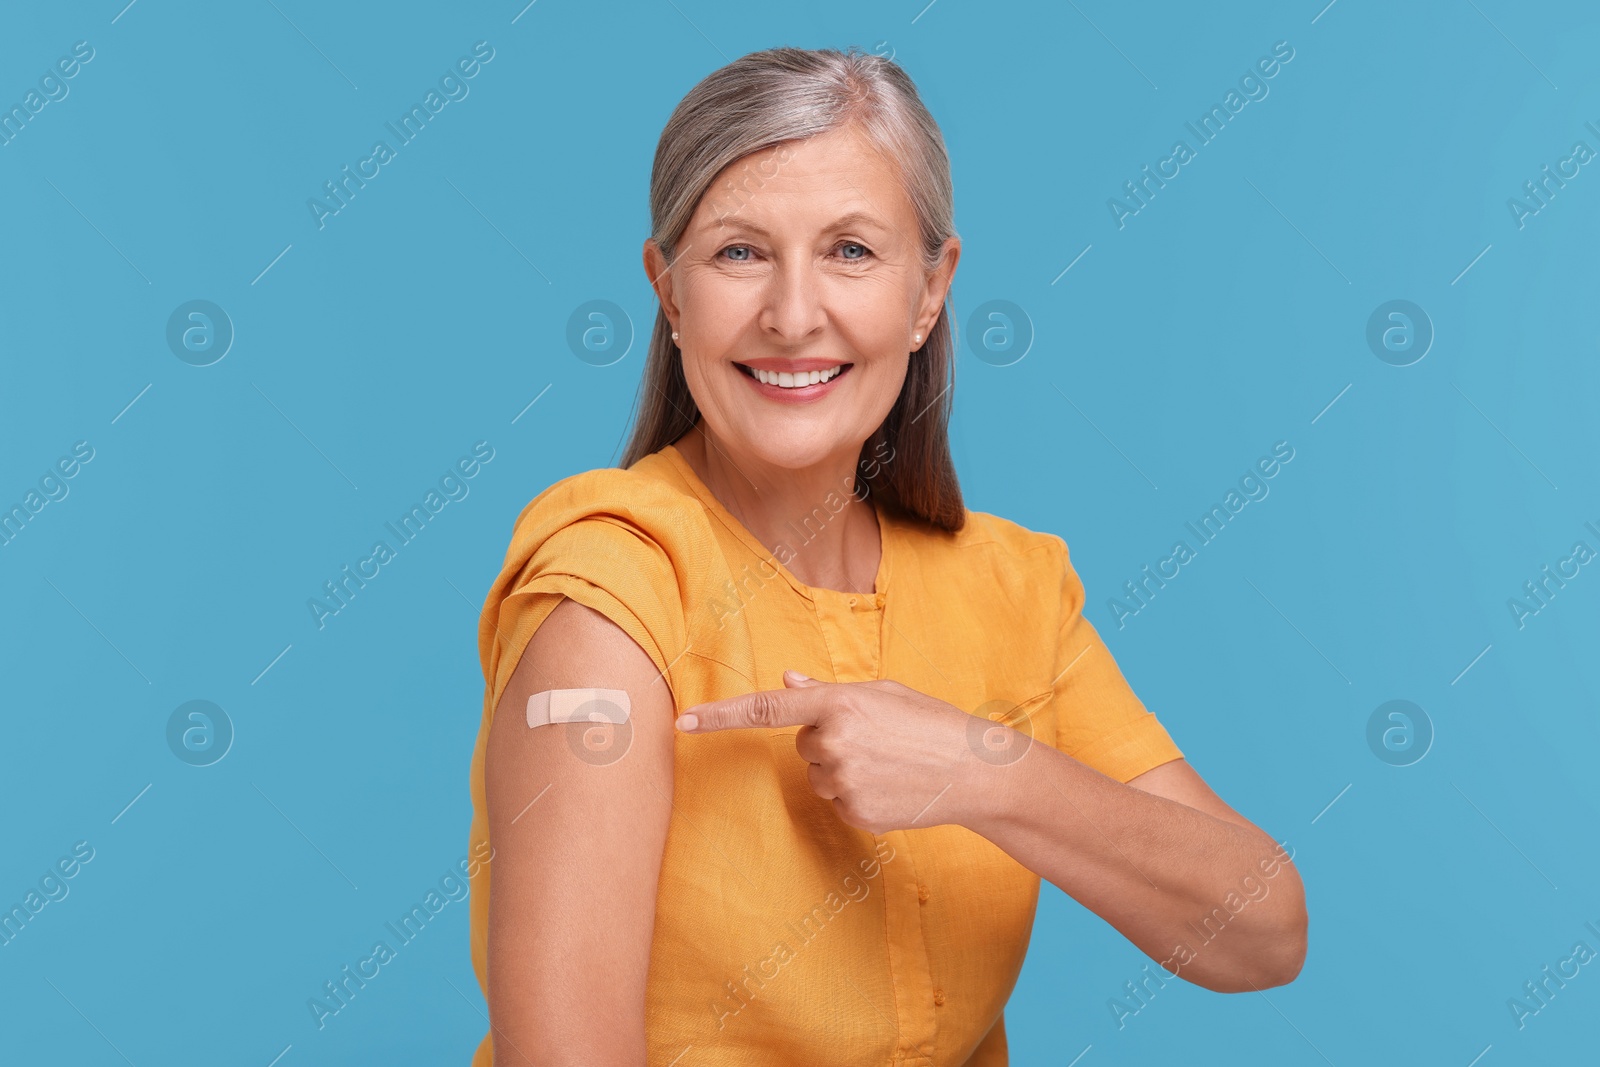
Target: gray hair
{"points": [[787, 94]]}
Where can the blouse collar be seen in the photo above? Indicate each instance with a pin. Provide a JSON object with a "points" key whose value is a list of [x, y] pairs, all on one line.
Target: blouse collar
{"points": [[886, 537]]}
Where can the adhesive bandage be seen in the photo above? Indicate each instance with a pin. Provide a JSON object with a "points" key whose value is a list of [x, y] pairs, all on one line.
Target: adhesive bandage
{"points": [[578, 705]]}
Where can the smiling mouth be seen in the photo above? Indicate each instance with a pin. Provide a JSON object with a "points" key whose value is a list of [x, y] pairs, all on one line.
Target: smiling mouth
{"points": [[796, 380]]}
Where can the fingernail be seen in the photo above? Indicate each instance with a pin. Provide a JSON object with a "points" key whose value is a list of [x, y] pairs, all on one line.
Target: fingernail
{"points": [[797, 674], [688, 722]]}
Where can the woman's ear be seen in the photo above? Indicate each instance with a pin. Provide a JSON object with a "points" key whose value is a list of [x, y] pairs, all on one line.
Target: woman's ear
{"points": [[657, 270], [937, 286]]}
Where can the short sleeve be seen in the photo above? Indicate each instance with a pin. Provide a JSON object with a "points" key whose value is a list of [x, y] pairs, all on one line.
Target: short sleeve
{"points": [[1099, 719], [605, 565]]}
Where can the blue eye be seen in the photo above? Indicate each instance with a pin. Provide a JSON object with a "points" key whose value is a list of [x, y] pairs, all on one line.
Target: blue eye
{"points": [[744, 254]]}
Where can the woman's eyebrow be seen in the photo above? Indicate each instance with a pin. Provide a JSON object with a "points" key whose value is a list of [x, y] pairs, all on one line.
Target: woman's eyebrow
{"points": [[854, 218]]}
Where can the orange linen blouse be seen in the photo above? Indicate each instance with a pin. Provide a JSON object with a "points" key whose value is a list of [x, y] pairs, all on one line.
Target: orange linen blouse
{"points": [[782, 934]]}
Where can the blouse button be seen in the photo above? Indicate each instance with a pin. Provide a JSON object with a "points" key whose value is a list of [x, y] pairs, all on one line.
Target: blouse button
{"points": [[922, 893], [938, 996], [852, 601]]}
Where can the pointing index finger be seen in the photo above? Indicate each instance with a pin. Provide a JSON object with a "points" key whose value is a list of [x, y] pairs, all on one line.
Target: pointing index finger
{"points": [[768, 708]]}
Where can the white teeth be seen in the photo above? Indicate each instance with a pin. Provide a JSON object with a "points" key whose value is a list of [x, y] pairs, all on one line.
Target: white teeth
{"points": [[786, 380]]}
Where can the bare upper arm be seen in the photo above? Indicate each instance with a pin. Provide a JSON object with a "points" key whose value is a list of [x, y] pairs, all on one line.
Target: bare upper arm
{"points": [[578, 818]]}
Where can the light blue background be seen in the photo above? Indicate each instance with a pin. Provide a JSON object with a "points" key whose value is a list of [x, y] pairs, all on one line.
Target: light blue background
{"points": [[1226, 316]]}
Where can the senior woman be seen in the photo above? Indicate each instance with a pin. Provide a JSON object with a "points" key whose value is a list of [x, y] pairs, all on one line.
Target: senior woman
{"points": [[851, 724]]}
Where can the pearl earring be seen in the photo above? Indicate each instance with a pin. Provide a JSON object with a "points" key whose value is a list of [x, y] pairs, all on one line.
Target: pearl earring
{"points": [[917, 337], [674, 335]]}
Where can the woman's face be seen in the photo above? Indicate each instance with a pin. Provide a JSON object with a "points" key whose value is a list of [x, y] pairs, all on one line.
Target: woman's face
{"points": [[801, 260]]}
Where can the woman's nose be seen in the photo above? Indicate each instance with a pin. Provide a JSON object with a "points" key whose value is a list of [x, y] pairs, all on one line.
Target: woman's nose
{"points": [[794, 303]]}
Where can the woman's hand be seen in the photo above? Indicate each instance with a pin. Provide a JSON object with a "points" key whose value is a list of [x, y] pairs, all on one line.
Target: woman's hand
{"points": [[889, 757]]}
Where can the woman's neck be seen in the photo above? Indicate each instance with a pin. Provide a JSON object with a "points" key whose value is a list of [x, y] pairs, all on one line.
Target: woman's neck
{"points": [[834, 536]]}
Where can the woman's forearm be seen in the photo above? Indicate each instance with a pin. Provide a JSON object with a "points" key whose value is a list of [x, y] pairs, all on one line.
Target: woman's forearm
{"points": [[1216, 902]]}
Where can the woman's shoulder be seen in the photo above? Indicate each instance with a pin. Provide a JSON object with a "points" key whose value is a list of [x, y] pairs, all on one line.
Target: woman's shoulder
{"points": [[991, 560], [650, 489], [613, 515], [619, 541], [995, 537]]}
